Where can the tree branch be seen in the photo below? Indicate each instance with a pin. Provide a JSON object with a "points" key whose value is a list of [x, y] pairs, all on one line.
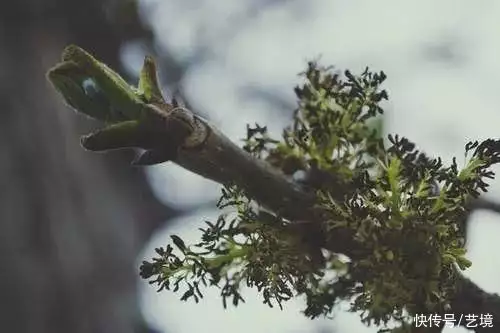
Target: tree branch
{"points": [[222, 161], [142, 119]]}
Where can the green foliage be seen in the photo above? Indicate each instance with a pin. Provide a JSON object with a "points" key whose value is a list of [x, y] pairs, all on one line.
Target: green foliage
{"points": [[134, 116], [404, 210], [92, 88]]}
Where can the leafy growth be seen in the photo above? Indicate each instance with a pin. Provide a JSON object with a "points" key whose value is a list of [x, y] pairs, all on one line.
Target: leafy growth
{"points": [[403, 210]]}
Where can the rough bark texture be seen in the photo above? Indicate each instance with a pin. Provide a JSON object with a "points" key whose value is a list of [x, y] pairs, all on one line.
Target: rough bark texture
{"points": [[71, 223]]}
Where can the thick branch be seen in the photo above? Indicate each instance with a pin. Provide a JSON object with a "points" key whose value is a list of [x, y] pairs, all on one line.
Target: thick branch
{"points": [[218, 159], [470, 299], [141, 118], [486, 204]]}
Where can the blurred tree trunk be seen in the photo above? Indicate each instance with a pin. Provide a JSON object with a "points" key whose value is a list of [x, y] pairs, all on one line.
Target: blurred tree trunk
{"points": [[71, 223]]}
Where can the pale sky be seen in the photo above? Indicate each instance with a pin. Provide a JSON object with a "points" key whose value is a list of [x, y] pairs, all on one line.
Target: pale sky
{"points": [[443, 69]]}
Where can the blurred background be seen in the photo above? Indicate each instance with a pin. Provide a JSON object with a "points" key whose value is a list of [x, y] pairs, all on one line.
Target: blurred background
{"points": [[74, 226]]}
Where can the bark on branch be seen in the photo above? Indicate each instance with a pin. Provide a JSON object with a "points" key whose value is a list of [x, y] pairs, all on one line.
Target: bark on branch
{"points": [[219, 159], [141, 118]]}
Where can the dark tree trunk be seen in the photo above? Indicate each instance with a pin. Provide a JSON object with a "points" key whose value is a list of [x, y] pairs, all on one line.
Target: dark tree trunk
{"points": [[71, 222]]}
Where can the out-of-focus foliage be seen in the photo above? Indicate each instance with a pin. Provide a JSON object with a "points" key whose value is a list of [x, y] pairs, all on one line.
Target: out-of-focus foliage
{"points": [[403, 208]]}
